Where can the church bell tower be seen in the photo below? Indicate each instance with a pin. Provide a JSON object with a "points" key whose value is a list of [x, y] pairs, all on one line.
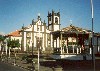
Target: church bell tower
{"points": [[53, 21]]}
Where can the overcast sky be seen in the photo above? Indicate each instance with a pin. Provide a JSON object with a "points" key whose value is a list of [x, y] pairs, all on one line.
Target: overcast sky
{"points": [[15, 13]]}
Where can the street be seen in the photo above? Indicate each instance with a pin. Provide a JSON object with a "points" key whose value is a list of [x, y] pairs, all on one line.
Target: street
{"points": [[8, 67]]}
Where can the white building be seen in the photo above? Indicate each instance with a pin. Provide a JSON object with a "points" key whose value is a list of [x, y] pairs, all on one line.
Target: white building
{"points": [[39, 32]]}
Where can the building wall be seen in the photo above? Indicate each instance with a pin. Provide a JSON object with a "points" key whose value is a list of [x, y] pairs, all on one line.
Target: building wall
{"points": [[39, 30]]}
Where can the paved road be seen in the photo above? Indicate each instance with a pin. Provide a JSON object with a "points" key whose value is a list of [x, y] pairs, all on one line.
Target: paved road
{"points": [[8, 67]]}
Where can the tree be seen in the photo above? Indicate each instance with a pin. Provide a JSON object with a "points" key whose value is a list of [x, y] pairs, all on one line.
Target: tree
{"points": [[13, 43], [17, 44], [9, 43], [2, 38]]}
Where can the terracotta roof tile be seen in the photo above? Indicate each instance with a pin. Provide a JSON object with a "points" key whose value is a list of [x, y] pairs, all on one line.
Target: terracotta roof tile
{"points": [[15, 33]]}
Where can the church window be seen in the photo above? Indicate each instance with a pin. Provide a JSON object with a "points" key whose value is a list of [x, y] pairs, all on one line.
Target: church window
{"points": [[39, 28], [56, 20], [49, 18]]}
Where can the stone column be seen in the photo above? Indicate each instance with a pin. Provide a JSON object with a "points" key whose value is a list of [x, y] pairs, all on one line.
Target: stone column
{"points": [[24, 41], [77, 50], [90, 51], [31, 41], [61, 44], [47, 39], [80, 50], [67, 49], [98, 49], [97, 45], [73, 48], [51, 40], [58, 42]]}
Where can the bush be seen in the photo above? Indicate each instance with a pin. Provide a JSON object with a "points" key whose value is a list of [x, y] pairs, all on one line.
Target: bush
{"points": [[29, 58], [24, 57]]}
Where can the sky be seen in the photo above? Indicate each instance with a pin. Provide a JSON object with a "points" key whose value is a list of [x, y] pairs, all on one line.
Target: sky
{"points": [[15, 13]]}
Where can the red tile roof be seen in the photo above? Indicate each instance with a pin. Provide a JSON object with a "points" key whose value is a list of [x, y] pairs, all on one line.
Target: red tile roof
{"points": [[15, 33]]}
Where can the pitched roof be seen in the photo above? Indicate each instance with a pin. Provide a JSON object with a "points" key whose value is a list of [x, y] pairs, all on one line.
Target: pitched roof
{"points": [[72, 28], [97, 34], [15, 33]]}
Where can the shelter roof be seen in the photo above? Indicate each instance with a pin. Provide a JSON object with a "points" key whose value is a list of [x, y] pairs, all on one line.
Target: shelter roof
{"points": [[75, 29], [97, 34]]}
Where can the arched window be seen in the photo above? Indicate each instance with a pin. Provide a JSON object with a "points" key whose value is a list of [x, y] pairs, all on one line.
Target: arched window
{"points": [[56, 20]]}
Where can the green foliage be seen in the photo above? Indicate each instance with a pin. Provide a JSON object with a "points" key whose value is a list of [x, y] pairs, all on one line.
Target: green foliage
{"points": [[2, 38], [13, 43], [9, 43], [72, 43], [63, 43], [24, 57], [27, 58]]}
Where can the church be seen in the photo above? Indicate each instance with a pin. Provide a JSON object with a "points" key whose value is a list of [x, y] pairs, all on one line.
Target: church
{"points": [[38, 33]]}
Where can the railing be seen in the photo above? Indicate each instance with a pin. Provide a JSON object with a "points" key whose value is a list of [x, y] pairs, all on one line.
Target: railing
{"points": [[72, 50]]}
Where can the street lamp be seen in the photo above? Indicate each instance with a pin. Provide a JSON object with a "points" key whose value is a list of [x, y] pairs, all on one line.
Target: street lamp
{"points": [[93, 54]]}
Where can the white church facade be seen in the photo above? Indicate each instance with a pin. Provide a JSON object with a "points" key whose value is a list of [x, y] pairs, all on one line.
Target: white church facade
{"points": [[38, 33]]}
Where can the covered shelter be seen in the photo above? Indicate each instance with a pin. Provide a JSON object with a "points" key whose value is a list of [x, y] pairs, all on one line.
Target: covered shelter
{"points": [[71, 40]]}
